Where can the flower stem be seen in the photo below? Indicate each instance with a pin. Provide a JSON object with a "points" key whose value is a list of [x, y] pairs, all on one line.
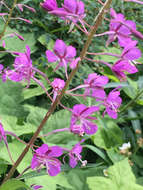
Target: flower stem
{"points": [[54, 131], [8, 20], [93, 29]]}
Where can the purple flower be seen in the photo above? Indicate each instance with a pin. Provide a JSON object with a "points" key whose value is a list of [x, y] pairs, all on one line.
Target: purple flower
{"points": [[122, 29], [125, 64], [22, 68], [95, 84], [75, 9], [45, 156], [49, 5], [62, 54], [112, 102], [120, 67], [57, 85], [80, 119], [75, 156], [70, 10]]}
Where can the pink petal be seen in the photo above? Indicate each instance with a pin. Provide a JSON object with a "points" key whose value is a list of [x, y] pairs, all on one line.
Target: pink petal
{"points": [[111, 113], [133, 54], [89, 127], [72, 161], [42, 149], [53, 167], [80, 5], [51, 56], [98, 93], [60, 48], [55, 151], [70, 5], [71, 52], [89, 110], [34, 162]]}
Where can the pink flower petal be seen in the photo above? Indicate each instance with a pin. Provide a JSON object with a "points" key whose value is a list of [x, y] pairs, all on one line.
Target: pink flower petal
{"points": [[51, 56]]}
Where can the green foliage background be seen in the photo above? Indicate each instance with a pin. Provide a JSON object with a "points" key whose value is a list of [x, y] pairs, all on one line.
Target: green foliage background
{"points": [[21, 111]]}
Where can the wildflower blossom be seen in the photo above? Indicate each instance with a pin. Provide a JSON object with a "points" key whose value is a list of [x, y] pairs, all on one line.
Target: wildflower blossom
{"points": [[75, 156], [129, 54], [122, 29], [80, 119], [75, 9], [22, 68], [70, 11], [94, 85], [47, 156], [57, 85], [62, 54], [112, 102]]}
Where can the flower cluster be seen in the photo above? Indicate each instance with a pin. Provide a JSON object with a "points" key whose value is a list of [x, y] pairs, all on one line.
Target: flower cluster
{"points": [[72, 10], [83, 117], [123, 30]]}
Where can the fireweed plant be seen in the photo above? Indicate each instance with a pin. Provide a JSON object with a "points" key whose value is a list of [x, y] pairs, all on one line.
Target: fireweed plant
{"points": [[83, 121]]}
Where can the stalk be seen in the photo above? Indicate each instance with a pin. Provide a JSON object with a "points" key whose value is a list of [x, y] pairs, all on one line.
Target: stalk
{"points": [[8, 20], [93, 29]]}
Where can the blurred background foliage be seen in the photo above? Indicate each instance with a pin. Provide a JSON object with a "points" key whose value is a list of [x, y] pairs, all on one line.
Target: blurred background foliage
{"points": [[21, 110]]}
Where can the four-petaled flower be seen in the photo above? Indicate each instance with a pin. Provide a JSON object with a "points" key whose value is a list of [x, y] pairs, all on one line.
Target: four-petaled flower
{"points": [[62, 54], [121, 29], [75, 156], [112, 102], [22, 68], [46, 156], [71, 10], [58, 85], [81, 115], [74, 9], [94, 85], [125, 64]]}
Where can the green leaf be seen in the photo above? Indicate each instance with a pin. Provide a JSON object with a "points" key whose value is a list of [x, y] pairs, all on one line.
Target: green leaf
{"points": [[98, 152], [138, 159], [11, 98], [16, 149], [10, 124], [100, 183], [140, 181], [14, 184], [15, 44], [114, 155], [46, 41], [36, 91], [49, 182], [58, 120], [132, 89], [135, 123], [120, 177], [108, 135]]}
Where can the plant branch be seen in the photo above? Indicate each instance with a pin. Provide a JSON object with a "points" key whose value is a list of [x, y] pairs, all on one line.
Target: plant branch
{"points": [[93, 29], [9, 17]]}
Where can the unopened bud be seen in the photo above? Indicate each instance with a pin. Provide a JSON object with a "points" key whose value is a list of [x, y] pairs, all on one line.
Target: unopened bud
{"points": [[138, 131]]}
